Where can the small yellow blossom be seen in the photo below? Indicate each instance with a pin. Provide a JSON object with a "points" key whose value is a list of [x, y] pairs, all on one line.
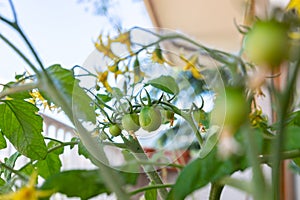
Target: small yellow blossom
{"points": [[28, 192], [124, 38], [102, 78], [115, 69], [294, 4], [37, 97], [191, 66], [105, 49]]}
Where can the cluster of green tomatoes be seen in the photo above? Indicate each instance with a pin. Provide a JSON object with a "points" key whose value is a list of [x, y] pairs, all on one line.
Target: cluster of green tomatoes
{"points": [[149, 119]]}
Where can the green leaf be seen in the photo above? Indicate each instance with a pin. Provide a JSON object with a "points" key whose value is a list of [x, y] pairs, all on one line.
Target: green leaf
{"points": [[83, 151], [22, 127], [165, 83], [52, 163], [3, 144], [77, 183], [70, 93], [104, 98], [151, 194], [292, 138], [11, 161], [27, 169], [49, 166], [202, 171]]}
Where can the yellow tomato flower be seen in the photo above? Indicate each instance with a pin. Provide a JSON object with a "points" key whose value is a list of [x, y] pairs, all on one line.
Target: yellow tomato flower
{"points": [[124, 38], [37, 98], [105, 49], [191, 66], [294, 4], [102, 78], [28, 192]]}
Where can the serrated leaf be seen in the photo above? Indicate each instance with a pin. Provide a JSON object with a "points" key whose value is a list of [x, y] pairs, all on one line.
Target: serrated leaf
{"points": [[49, 166], [3, 144], [165, 83], [23, 127], [202, 171], [77, 183], [71, 93]]}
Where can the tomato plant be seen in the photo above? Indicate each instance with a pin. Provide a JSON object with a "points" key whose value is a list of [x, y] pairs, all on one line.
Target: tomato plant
{"points": [[137, 96]]}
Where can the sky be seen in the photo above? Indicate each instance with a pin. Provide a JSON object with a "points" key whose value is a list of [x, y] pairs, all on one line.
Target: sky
{"points": [[62, 32]]}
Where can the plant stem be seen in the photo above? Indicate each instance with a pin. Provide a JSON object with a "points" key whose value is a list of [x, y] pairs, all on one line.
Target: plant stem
{"points": [[11, 45], [15, 25], [284, 107], [17, 172], [215, 191], [150, 187], [151, 172], [283, 155], [258, 180], [61, 146], [188, 117], [20, 88]]}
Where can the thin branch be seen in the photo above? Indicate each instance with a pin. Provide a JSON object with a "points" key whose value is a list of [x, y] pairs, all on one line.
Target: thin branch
{"points": [[11, 45], [13, 11], [17, 172], [17, 89], [150, 187]]}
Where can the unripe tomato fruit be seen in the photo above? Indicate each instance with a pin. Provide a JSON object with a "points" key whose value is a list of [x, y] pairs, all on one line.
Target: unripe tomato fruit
{"points": [[267, 43], [150, 118], [231, 108], [130, 122], [114, 130]]}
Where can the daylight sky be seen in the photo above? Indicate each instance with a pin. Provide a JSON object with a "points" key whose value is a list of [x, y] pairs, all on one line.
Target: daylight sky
{"points": [[62, 32]]}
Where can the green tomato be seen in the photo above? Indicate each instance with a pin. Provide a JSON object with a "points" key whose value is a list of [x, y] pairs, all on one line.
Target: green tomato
{"points": [[267, 43], [114, 130], [130, 122], [231, 108], [150, 118]]}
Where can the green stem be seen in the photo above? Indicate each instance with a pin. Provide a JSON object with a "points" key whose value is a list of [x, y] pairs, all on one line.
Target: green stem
{"points": [[145, 162], [151, 172], [61, 146], [215, 191], [188, 117], [11, 45], [283, 156], [16, 26], [19, 88], [17, 172], [284, 107], [258, 179], [150, 187]]}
